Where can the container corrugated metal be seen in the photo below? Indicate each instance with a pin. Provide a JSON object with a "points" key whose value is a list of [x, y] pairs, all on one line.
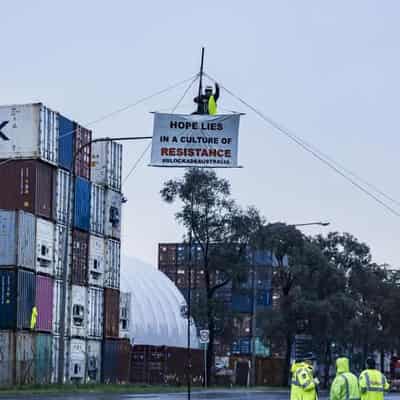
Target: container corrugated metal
{"points": [[66, 142], [107, 164], [62, 188], [80, 257], [96, 260], [54, 355], [111, 313], [97, 209], [45, 231], [94, 360], [116, 360], [43, 358], [57, 307], [125, 314], [17, 298], [59, 252], [77, 360], [44, 303], [82, 161], [95, 312], [29, 186], [113, 264], [242, 303], [17, 238], [32, 131], [7, 357], [82, 204], [25, 362], [79, 311], [112, 216]]}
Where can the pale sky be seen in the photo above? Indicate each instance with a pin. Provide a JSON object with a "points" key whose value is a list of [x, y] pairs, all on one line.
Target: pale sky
{"points": [[329, 71]]}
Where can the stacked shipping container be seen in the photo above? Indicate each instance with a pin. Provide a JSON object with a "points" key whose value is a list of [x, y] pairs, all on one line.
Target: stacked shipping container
{"points": [[40, 171]]}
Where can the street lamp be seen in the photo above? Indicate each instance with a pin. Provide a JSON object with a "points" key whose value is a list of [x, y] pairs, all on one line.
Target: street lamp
{"points": [[71, 212]]}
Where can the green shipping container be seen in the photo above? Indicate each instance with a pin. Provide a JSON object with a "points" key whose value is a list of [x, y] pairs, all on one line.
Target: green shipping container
{"points": [[43, 359]]}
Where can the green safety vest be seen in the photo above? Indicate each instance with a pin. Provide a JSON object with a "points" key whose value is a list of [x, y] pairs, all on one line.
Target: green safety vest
{"points": [[212, 106]]}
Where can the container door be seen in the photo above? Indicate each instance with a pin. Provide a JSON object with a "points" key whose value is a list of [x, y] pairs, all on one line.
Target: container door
{"points": [[8, 238], [8, 299]]}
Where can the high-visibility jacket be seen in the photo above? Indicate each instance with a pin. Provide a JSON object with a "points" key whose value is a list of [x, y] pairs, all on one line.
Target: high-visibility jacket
{"points": [[373, 385], [345, 384], [303, 386], [34, 317], [212, 106]]}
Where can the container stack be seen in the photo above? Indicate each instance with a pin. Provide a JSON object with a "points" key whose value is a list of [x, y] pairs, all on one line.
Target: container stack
{"points": [[37, 162]]}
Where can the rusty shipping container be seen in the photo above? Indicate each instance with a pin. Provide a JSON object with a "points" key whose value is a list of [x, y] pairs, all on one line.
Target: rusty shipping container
{"points": [[29, 186], [116, 359], [111, 313], [82, 161], [44, 303], [80, 257]]}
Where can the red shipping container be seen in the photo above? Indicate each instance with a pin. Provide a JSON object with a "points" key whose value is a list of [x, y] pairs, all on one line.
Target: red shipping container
{"points": [[111, 313], [44, 303], [28, 186], [83, 158], [80, 254]]}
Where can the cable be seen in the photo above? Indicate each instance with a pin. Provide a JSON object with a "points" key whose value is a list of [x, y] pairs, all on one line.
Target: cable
{"points": [[312, 151], [127, 107]]}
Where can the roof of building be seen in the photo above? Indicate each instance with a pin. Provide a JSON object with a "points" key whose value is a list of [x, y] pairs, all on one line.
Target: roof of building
{"points": [[156, 316]]}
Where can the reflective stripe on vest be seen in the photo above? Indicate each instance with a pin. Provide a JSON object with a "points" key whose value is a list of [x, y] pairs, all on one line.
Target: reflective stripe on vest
{"points": [[374, 389], [347, 384]]}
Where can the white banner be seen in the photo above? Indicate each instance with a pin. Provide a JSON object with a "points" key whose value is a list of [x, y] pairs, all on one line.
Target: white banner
{"points": [[195, 140]]}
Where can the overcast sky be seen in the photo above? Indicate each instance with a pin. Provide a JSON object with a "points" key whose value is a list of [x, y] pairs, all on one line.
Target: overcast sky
{"points": [[329, 71]]}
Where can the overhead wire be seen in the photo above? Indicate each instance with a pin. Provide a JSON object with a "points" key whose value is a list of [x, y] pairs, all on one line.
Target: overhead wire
{"points": [[328, 161]]}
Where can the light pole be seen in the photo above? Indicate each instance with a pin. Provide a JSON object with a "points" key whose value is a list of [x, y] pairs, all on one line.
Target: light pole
{"points": [[69, 225]]}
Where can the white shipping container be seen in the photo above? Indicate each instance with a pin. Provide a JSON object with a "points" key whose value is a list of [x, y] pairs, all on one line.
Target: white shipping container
{"points": [[79, 314], [45, 231], [55, 358], [32, 131], [124, 314], [59, 250], [77, 360], [62, 188], [107, 164], [112, 216], [97, 260], [93, 360], [113, 264], [97, 205], [57, 307], [95, 312]]}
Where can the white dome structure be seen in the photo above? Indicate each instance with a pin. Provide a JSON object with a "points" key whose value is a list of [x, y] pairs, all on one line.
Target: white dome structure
{"points": [[156, 307]]}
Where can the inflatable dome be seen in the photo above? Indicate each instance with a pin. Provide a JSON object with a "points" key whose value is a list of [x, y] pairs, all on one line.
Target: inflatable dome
{"points": [[157, 307]]}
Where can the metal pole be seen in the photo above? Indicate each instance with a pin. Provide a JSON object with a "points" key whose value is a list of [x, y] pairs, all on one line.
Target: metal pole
{"points": [[205, 365], [253, 324], [189, 308], [71, 210], [201, 72]]}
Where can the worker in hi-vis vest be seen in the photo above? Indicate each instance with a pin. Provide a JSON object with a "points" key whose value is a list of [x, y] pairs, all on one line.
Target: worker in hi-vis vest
{"points": [[373, 384], [207, 102], [34, 317]]}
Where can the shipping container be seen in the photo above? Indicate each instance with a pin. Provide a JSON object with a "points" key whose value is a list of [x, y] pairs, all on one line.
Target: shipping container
{"points": [[63, 186], [94, 360], [83, 136], [95, 312], [242, 303], [82, 204], [112, 216], [241, 346], [125, 314], [57, 307], [44, 303], [111, 313], [25, 358], [17, 298], [45, 231], [80, 257], [167, 255], [66, 143], [55, 357], [17, 238], [97, 260], [263, 298], [59, 251], [116, 357], [32, 132], [77, 360], [107, 164], [29, 186], [113, 264], [43, 358], [97, 210], [7, 357], [79, 311]]}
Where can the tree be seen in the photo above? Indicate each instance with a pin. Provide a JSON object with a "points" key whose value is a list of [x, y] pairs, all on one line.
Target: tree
{"points": [[223, 232]]}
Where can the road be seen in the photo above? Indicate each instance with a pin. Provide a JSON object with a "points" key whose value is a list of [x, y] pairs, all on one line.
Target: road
{"points": [[235, 394]]}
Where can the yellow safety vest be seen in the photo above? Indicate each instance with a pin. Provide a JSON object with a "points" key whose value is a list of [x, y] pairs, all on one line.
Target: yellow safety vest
{"points": [[34, 318], [212, 106], [373, 385]]}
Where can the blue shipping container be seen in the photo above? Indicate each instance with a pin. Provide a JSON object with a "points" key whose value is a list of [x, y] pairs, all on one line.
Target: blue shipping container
{"points": [[263, 298], [17, 298], [82, 204], [66, 143], [242, 303], [241, 346]]}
